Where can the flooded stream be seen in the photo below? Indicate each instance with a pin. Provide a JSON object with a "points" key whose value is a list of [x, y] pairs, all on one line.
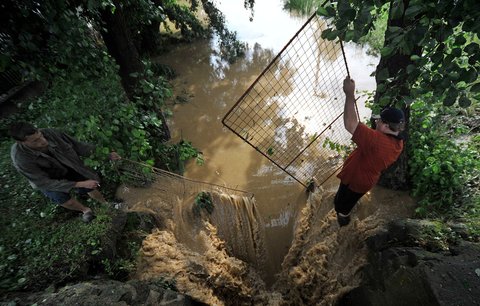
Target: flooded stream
{"points": [[215, 86], [202, 258]]}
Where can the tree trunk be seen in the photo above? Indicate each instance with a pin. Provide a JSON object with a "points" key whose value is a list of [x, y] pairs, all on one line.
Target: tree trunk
{"points": [[119, 43], [396, 176]]}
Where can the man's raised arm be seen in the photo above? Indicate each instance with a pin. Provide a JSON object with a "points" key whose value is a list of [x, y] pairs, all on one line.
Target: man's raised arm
{"points": [[350, 119]]}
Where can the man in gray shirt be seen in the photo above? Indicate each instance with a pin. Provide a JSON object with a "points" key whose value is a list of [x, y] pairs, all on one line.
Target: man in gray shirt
{"points": [[50, 160]]}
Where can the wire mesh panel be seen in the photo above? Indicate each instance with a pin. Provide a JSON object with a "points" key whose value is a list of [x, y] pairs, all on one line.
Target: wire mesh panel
{"points": [[292, 113]]}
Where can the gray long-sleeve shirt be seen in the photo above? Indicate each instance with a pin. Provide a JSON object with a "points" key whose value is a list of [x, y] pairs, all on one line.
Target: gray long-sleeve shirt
{"points": [[48, 171]]}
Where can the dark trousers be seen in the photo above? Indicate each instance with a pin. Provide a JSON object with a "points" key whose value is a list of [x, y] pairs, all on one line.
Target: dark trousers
{"points": [[345, 199]]}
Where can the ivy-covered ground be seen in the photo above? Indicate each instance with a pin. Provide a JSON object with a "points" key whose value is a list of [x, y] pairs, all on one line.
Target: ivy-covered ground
{"points": [[41, 244]]}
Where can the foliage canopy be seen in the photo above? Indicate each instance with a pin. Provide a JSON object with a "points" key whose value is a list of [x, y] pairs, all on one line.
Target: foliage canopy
{"points": [[438, 38]]}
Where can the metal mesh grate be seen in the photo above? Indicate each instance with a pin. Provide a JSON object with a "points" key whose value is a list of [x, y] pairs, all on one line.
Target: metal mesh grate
{"points": [[292, 113]]}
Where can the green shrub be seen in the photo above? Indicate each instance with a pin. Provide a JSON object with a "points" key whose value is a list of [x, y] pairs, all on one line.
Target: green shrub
{"points": [[442, 170]]}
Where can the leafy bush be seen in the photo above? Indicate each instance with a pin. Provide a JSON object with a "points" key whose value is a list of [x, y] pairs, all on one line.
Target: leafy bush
{"points": [[442, 170]]}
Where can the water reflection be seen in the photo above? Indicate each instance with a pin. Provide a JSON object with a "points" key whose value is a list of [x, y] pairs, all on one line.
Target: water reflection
{"points": [[294, 102]]}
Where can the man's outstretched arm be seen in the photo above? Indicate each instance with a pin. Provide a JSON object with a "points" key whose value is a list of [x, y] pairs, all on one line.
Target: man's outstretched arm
{"points": [[350, 119]]}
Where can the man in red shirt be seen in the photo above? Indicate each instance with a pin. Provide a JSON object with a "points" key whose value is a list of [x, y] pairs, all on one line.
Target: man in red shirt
{"points": [[376, 150]]}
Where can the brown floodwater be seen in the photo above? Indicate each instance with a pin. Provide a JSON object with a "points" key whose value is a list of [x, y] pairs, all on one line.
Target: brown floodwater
{"points": [[229, 161], [270, 227]]}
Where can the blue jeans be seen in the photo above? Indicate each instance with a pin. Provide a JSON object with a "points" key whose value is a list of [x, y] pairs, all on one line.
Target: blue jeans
{"points": [[59, 197]]}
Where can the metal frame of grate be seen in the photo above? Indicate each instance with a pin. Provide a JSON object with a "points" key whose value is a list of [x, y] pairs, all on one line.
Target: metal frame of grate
{"points": [[292, 113]]}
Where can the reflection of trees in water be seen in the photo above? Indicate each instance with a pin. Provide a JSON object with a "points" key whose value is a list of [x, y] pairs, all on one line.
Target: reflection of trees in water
{"points": [[262, 118], [298, 90], [255, 58], [328, 56], [292, 101]]}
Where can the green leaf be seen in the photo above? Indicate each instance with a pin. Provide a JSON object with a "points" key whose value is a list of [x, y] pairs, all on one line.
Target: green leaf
{"points": [[457, 52], [349, 34], [437, 57], [415, 58], [453, 75], [472, 60], [332, 35], [450, 98], [475, 88], [381, 88], [397, 9], [350, 14], [468, 76], [364, 17], [406, 46], [386, 51], [343, 6], [322, 12], [384, 100], [382, 75], [464, 101], [411, 68], [413, 10], [460, 40], [331, 11], [472, 48], [393, 29], [270, 151]]}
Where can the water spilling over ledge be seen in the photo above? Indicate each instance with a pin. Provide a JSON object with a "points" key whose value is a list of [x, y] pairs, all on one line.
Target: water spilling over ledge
{"points": [[218, 258]]}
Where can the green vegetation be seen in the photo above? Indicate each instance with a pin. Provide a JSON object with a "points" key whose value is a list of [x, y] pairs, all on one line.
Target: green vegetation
{"points": [[304, 7], [373, 39], [42, 244], [39, 241], [203, 201], [429, 46], [444, 164], [343, 149]]}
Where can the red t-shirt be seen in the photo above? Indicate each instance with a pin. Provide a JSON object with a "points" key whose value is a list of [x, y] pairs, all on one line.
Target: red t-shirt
{"points": [[375, 152]]}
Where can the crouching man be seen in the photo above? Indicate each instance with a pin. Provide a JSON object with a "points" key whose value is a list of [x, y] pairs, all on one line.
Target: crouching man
{"points": [[50, 160]]}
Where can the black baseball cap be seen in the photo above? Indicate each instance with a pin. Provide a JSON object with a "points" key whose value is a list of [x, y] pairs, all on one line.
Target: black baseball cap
{"points": [[392, 115]]}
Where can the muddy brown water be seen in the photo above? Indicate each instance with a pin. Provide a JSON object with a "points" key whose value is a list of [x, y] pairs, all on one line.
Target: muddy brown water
{"points": [[241, 247]]}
